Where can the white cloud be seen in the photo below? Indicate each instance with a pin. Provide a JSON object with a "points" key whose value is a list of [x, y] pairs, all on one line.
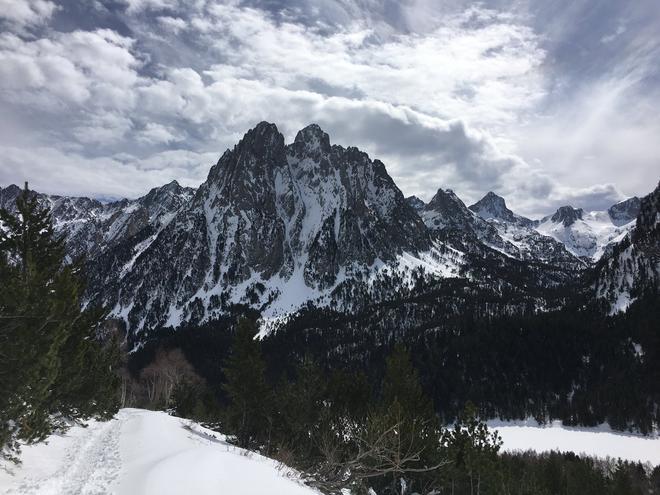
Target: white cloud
{"points": [[25, 13], [157, 134], [72, 68], [103, 129], [174, 24], [135, 6], [483, 74], [454, 98], [54, 171]]}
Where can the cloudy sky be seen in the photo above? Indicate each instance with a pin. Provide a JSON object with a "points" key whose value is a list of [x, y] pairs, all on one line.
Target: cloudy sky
{"points": [[546, 102]]}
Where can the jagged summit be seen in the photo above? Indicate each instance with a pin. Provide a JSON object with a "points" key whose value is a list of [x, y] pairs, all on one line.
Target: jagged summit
{"points": [[492, 206], [11, 188], [313, 137], [446, 210], [625, 211], [567, 215], [285, 223], [416, 203]]}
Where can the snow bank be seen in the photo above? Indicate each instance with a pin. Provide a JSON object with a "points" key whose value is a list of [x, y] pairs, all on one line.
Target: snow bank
{"points": [[146, 452], [600, 441]]}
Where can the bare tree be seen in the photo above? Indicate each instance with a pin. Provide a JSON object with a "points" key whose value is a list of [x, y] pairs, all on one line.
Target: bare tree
{"points": [[168, 369], [390, 446]]}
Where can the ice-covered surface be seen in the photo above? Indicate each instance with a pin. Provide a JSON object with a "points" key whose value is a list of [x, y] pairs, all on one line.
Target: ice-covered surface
{"points": [[146, 453], [599, 441]]}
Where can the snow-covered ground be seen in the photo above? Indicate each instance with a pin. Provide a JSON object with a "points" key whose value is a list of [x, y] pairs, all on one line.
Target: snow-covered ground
{"points": [[589, 235], [145, 452], [601, 441]]}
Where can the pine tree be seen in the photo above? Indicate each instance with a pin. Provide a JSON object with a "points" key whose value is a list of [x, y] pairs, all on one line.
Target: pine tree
{"points": [[248, 414], [400, 446], [401, 385], [472, 450], [52, 368]]}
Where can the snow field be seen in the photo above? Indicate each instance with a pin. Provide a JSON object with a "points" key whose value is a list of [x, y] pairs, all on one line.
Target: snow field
{"points": [[597, 442]]}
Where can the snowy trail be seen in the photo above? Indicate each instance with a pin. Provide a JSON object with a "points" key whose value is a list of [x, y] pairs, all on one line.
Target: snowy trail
{"points": [[90, 466], [145, 453]]}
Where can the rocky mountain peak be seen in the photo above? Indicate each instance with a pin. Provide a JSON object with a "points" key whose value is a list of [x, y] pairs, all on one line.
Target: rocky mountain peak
{"points": [[263, 140], [446, 210], [493, 206], [416, 203], [250, 162], [567, 215], [313, 138], [443, 199], [11, 189], [287, 221], [625, 211], [172, 186], [8, 196]]}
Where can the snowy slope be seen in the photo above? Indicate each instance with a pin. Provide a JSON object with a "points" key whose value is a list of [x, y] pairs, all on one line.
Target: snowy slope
{"points": [[596, 442], [146, 453], [587, 234]]}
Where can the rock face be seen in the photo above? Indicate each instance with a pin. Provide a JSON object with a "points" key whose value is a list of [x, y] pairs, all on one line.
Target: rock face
{"points": [[625, 211], [567, 215], [492, 206], [277, 226], [93, 227], [280, 224], [416, 203], [632, 267]]}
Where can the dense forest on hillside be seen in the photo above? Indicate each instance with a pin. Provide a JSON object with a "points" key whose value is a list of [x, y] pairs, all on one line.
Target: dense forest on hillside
{"points": [[323, 415], [575, 365]]}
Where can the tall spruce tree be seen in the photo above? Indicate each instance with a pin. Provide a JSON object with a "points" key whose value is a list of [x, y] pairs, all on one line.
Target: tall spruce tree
{"points": [[401, 443], [52, 368], [248, 415], [472, 450]]}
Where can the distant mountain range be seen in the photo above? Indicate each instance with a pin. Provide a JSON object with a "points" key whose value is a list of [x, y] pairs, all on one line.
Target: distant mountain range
{"points": [[278, 227]]}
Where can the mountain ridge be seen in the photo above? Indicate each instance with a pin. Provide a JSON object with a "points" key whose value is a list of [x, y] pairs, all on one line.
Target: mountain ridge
{"points": [[276, 226]]}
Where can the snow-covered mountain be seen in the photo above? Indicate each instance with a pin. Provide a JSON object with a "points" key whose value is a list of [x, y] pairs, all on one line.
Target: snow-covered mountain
{"points": [[277, 226], [93, 227], [632, 266], [515, 235], [588, 234], [273, 226], [493, 207]]}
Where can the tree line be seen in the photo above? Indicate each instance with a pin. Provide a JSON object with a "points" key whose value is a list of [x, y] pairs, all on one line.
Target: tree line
{"points": [[341, 429]]}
